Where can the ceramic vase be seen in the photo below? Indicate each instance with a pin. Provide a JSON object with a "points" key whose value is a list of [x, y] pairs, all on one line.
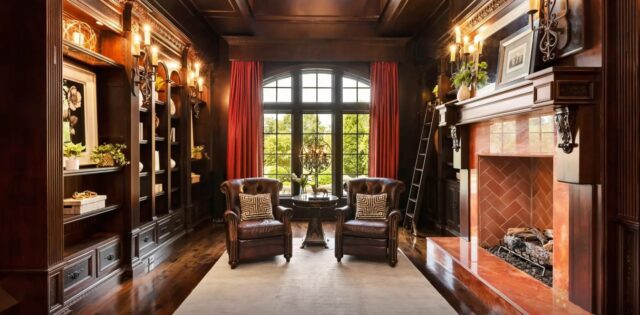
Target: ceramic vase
{"points": [[463, 92], [72, 164]]}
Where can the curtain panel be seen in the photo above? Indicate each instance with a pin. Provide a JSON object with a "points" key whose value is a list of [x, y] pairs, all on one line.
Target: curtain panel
{"points": [[384, 130], [244, 131]]}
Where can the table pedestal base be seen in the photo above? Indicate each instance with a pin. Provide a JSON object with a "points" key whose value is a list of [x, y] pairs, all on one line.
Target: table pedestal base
{"points": [[315, 234]]}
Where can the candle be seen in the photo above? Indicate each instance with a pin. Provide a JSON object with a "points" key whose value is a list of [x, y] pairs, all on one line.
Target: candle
{"points": [[147, 35], [200, 84], [135, 48], [452, 50], [534, 5], [197, 68], [458, 32], [78, 38], [477, 40], [472, 49], [465, 44], [154, 55], [192, 77]]}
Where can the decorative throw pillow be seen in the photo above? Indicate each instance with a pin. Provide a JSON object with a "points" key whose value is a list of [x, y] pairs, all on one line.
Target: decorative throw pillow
{"points": [[371, 207], [255, 207]]}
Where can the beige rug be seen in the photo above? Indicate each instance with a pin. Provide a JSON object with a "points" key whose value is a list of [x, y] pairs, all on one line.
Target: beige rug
{"points": [[315, 283]]}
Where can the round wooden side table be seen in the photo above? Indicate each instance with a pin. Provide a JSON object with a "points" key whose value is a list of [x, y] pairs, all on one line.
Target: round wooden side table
{"points": [[315, 205]]}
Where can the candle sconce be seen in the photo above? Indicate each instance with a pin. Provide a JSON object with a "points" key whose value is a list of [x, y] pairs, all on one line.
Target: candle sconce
{"points": [[145, 65], [196, 84], [553, 27]]}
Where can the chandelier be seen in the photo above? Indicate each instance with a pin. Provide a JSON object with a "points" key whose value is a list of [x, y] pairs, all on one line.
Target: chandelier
{"points": [[314, 156]]}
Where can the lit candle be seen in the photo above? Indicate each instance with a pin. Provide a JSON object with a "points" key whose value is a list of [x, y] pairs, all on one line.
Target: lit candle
{"points": [[192, 77], [200, 83], [533, 5], [197, 68], [78, 38], [458, 32], [154, 55], [452, 49], [135, 47], [477, 40], [147, 35], [465, 44], [472, 49]]}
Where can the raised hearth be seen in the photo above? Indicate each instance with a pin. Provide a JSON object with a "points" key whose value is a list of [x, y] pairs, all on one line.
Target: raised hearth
{"points": [[505, 288]]}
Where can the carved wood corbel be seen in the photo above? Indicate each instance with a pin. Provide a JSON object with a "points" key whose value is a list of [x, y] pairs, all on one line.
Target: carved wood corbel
{"points": [[564, 124], [454, 135]]}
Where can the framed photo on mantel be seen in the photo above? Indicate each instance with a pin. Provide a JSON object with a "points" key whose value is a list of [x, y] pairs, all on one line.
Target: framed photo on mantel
{"points": [[79, 109], [515, 57]]}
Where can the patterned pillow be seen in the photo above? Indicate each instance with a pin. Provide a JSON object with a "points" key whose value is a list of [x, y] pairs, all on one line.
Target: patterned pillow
{"points": [[371, 207], [255, 207]]}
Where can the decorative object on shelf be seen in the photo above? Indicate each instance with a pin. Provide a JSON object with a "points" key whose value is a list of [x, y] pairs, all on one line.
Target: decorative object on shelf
{"points": [[72, 151], [563, 119], [314, 156], [156, 158], [195, 178], [79, 33], [303, 180], [172, 107], [145, 65], [515, 57], [173, 134], [83, 202], [469, 78], [140, 166], [316, 191], [173, 163], [156, 122], [109, 154], [158, 188], [454, 136], [141, 131], [197, 152], [79, 112]]}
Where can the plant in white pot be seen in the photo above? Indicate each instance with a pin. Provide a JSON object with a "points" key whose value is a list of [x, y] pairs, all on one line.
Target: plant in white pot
{"points": [[72, 151], [467, 81]]}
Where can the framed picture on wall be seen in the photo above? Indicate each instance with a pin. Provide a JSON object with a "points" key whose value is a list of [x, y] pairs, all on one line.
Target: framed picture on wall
{"points": [[515, 60], [79, 112]]}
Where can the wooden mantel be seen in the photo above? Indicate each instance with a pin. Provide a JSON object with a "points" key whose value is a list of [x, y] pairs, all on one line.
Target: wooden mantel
{"points": [[552, 87]]}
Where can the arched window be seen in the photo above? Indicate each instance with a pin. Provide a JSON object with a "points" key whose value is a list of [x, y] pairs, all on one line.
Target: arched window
{"points": [[316, 105]]}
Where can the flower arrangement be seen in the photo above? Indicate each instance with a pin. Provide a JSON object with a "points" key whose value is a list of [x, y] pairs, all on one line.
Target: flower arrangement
{"points": [[303, 180], [109, 154], [72, 150], [466, 74]]}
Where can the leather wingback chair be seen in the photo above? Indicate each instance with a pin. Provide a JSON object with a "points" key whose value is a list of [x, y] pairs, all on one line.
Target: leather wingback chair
{"points": [[369, 237], [252, 239]]}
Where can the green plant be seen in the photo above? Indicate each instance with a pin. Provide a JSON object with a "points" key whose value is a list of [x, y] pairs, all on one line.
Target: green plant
{"points": [[109, 154], [467, 72], [72, 149], [303, 180], [197, 149], [435, 91]]}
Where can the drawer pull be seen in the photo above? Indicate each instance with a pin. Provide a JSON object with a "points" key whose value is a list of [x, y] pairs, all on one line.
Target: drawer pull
{"points": [[75, 275], [111, 257], [163, 230], [145, 239]]}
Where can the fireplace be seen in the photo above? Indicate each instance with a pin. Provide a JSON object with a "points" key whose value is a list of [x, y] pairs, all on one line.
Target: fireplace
{"points": [[515, 211]]}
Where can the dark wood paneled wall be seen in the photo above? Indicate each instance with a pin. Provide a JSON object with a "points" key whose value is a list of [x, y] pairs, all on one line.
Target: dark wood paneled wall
{"points": [[621, 163], [31, 87]]}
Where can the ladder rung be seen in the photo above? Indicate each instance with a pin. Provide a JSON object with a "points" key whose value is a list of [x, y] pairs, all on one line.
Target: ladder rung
{"points": [[409, 214], [424, 139], [418, 170], [422, 154], [416, 185], [412, 200]]}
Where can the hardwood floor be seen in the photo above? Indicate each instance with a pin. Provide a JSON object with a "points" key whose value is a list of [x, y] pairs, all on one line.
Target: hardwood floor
{"points": [[163, 289]]}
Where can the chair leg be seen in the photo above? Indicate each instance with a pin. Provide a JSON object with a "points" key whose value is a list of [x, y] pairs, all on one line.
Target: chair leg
{"points": [[338, 251], [288, 247], [393, 252]]}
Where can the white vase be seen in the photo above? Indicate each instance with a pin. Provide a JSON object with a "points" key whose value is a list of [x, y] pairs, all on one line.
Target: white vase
{"points": [[72, 164], [463, 92], [141, 166]]}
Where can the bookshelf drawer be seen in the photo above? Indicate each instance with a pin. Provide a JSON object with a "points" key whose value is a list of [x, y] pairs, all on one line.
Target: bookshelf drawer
{"points": [[164, 229], [78, 273], [147, 241], [108, 257]]}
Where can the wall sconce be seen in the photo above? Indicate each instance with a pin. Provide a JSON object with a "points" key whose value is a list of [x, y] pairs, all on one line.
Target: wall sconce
{"points": [[145, 64], [196, 83], [548, 26]]}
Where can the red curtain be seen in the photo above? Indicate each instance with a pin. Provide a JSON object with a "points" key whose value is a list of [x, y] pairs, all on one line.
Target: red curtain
{"points": [[244, 133], [384, 131]]}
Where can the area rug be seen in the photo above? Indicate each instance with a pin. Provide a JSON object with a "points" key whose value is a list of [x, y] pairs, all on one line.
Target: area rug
{"points": [[315, 283]]}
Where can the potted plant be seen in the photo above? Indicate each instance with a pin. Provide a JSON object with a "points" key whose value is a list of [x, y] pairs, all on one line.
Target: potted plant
{"points": [[466, 80], [303, 180], [71, 151], [197, 152], [109, 154]]}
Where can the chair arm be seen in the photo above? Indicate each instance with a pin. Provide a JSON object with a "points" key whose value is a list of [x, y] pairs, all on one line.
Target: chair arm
{"points": [[232, 220], [282, 214], [394, 216], [231, 217], [344, 213]]}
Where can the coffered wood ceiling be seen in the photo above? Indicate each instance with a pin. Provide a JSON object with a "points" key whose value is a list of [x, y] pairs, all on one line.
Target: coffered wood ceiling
{"points": [[325, 19]]}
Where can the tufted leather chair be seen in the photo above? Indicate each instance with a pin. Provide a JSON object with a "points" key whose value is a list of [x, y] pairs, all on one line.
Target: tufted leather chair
{"points": [[369, 237], [256, 238]]}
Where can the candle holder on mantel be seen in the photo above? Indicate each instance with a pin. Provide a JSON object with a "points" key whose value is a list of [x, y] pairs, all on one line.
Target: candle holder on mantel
{"points": [[145, 65], [195, 82]]}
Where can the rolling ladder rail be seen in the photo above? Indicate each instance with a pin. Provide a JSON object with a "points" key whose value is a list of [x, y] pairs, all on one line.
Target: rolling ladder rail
{"points": [[416, 189]]}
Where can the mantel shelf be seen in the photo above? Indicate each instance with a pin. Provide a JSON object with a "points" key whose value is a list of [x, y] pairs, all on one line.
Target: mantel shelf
{"points": [[68, 218], [92, 171], [546, 89]]}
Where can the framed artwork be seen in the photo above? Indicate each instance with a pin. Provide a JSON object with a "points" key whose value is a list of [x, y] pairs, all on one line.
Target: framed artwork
{"points": [[515, 57], [79, 112]]}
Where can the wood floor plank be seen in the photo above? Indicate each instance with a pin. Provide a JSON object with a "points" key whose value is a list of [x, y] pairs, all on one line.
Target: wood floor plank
{"points": [[163, 289]]}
